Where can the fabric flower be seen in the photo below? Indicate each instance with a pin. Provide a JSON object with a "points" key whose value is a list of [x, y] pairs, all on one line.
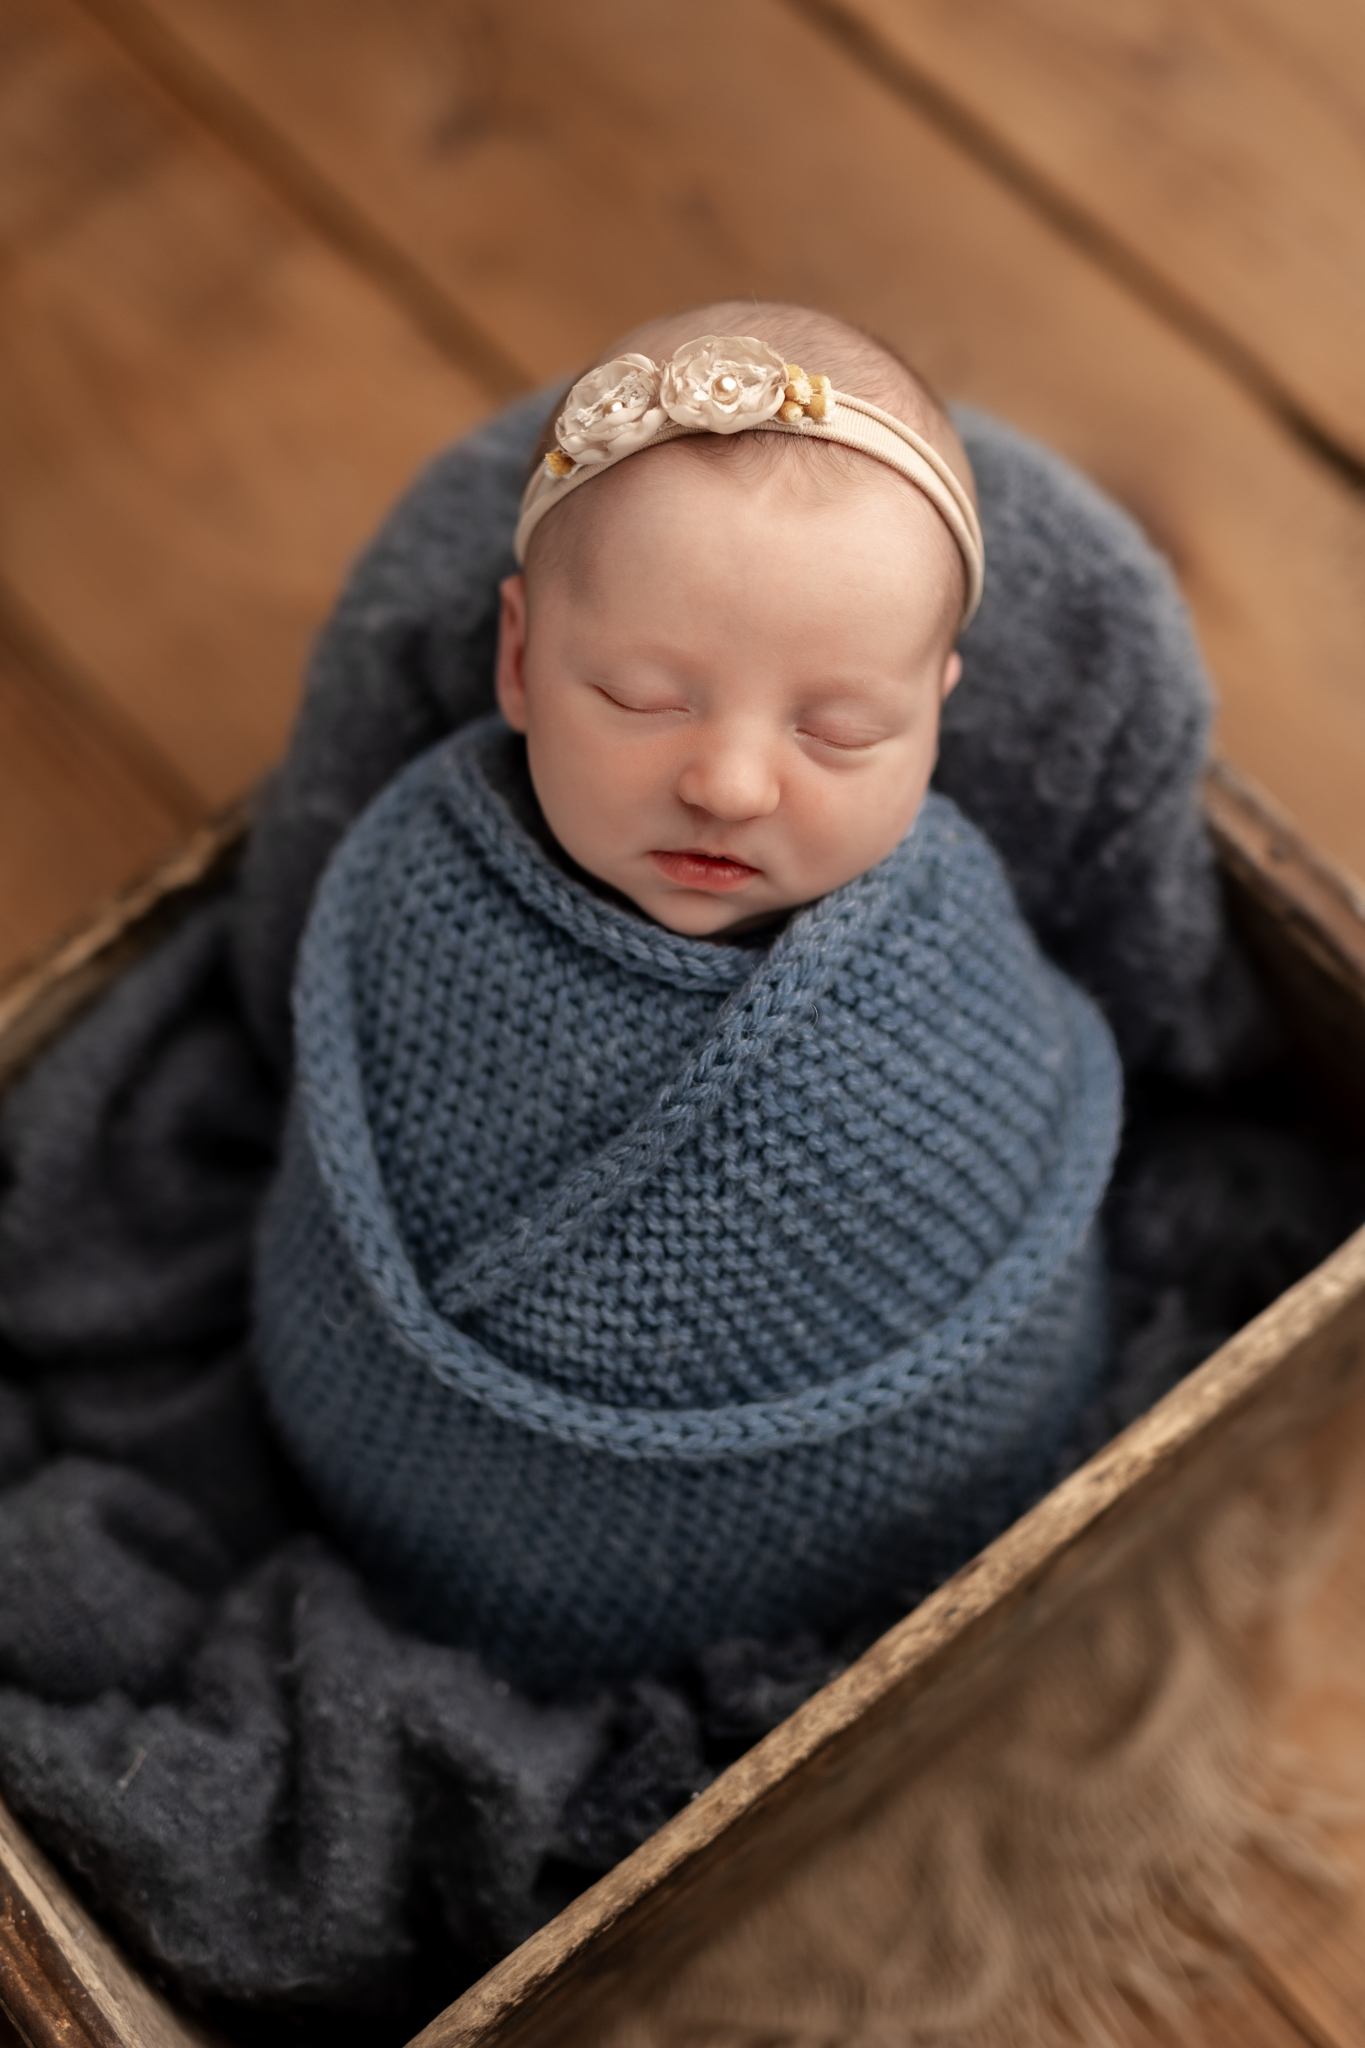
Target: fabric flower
{"points": [[723, 383], [612, 411]]}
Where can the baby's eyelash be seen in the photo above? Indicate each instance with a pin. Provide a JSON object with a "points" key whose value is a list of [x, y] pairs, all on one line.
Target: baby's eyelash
{"points": [[641, 710], [825, 739]]}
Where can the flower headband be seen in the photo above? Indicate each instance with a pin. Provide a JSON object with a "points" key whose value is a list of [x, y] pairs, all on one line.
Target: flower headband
{"points": [[731, 384]]}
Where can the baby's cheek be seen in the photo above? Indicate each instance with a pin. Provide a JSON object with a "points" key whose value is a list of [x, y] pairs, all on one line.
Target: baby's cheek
{"points": [[853, 819], [618, 797]]}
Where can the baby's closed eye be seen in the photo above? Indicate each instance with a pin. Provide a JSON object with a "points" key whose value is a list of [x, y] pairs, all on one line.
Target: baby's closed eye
{"points": [[642, 702], [842, 738]]}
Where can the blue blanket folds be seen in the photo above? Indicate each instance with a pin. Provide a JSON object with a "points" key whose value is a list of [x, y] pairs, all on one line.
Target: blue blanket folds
{"points": [[621, 1292]]}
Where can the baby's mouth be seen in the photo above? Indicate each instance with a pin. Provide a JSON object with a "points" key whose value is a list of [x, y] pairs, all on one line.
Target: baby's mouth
{"points": [[694, 870]]}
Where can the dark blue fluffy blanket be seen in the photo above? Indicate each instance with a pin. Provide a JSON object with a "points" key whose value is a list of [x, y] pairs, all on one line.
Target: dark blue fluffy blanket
{"points": [[286, 1803]]}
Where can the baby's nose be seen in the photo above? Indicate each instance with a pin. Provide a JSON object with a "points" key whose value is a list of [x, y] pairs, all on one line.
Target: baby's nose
{"points": [[733, 781]]}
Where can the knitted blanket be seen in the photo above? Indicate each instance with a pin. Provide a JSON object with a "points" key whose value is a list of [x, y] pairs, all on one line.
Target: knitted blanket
{"points": [[622, 1291], [280, 1798]]}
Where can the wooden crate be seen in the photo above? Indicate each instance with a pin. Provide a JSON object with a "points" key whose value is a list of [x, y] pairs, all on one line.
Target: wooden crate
{"points": [[1286, 1394]]}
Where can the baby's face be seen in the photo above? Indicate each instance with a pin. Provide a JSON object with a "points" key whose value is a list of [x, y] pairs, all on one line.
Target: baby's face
{"points": [[731, 701]]}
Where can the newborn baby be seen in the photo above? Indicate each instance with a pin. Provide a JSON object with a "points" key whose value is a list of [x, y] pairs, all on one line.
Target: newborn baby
{"points": [[731, 696], [686, 1225]]}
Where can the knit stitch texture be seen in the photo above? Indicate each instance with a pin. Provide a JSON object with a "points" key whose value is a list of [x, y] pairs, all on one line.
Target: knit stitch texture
{"points": [[1076, 739], [622, 1291]]}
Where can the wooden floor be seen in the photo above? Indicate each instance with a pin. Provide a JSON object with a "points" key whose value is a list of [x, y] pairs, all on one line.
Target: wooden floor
{"points": [[258, 258]]}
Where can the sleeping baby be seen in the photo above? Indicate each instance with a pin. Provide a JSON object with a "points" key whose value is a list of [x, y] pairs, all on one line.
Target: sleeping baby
{"points": [[687, 1222]]}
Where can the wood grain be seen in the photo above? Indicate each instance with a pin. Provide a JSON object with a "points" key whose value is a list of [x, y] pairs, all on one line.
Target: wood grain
{"points": [[566, 172], [77, 819], [1211, 152], [203, 410]]}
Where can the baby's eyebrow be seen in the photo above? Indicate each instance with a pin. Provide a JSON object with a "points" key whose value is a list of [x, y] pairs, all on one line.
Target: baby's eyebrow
{"points": [[848, 689], [657, 657]]}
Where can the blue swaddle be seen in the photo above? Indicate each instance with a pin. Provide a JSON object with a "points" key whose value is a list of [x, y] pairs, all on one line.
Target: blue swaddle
{"points": [[621, 1291]]}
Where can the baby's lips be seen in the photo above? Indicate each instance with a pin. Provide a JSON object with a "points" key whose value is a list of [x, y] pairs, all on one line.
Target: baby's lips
{"points": [[694, 869]]}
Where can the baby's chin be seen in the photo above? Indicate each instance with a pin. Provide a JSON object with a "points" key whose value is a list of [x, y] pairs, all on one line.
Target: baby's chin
{"points": [[693, 914], [725, 909]]}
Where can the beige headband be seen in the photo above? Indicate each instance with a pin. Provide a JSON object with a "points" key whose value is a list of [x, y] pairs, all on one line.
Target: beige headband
{"points": [[729, 384]]}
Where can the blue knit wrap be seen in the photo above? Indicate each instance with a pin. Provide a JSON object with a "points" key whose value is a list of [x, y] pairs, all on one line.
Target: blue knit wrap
{"points": [[620, 1291]]}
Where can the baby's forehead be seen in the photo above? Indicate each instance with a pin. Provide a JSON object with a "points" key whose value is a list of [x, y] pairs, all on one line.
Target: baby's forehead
{"points": [[763, 495]]}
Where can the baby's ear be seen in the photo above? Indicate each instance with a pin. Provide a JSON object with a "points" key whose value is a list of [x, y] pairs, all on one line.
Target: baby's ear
{"points": [[952, 670], [511, 671]]}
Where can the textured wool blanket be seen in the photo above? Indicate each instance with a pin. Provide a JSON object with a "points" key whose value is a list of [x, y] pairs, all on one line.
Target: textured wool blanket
{"points": [[283, 1800], [623, 1291]]}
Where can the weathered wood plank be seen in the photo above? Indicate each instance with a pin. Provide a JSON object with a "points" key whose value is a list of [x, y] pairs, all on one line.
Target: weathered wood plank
{"points": [[203, 410], [77, 819], [1212, 154], [565, 172]]}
